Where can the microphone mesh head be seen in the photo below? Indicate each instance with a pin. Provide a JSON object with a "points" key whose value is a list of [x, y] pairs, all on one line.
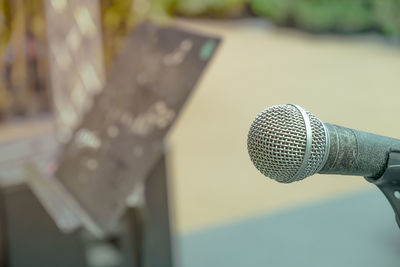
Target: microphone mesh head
{"points": [[277, 143]]}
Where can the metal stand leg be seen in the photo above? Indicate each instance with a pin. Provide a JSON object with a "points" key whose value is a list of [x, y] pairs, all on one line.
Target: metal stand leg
{"points": [[150, 225], [3, 233], [136, 229]]}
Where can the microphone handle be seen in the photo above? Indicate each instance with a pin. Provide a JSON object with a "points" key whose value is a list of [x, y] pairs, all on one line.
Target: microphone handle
{"points": [[353, 152]]}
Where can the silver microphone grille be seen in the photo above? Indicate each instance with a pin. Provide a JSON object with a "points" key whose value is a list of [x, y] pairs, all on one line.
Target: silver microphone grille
{"points": [[287, 143]]}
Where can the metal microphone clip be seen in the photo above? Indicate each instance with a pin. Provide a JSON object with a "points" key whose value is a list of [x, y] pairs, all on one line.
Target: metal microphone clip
{"points": [[389, 182]]}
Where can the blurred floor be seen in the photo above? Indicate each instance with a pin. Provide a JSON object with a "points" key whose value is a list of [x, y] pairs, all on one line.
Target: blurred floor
{"points": [[355, 230], [347, 80]]}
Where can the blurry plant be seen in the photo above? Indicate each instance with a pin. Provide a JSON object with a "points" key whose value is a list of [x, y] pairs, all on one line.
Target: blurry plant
{"points": [[387, 16], [115, 21], [115, 15], [35, 19], [5, 23], [162, 8], [333, 15], [277, 10], [216, 8], [5, 33], [120, 16], [344, 16], [338, 15]]}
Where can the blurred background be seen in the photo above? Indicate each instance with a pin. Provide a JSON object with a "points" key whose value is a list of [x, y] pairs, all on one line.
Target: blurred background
{"points": [[339, 59]]}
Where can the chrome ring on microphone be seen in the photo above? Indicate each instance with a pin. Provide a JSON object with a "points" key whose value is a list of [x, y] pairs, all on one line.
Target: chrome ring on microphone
{"points": [[307, 152]]}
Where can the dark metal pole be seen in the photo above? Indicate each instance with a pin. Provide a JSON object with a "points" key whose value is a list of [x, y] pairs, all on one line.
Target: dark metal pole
{"points": [[157, 231], [150, 224], [3, 233]]}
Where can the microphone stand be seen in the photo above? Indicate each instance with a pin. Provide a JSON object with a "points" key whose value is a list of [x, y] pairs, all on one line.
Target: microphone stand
{"points": [[389, 183]]}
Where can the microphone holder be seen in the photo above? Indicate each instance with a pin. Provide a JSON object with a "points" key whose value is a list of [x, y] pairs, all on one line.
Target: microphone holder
{"points": [[389, 183]]}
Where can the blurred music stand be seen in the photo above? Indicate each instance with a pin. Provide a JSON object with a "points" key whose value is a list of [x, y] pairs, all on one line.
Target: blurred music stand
{"points": [[130, 119]]}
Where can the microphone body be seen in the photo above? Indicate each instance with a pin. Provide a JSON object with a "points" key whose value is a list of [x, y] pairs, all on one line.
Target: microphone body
{"points": [[287, 143], [353, 152]]}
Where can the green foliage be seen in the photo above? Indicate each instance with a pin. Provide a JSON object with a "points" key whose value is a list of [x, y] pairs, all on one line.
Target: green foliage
{"points": [[333, 15], [209, 7], [120, 16], [345, 16], [338, 15], [162, 8], [5, 22], [115, 15], [277, 10], [387, 16], [35, 19]]}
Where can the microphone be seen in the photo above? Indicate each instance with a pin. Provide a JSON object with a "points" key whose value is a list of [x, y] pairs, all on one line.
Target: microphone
{"points": [[288, 144]]}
